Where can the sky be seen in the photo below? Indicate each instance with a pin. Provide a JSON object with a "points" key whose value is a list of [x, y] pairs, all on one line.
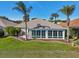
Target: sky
{"points": [[41, 9]]}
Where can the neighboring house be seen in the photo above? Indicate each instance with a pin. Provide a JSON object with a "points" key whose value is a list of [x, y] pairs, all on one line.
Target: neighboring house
{"points": [[43, 29], [4, 22], [73, 24]]}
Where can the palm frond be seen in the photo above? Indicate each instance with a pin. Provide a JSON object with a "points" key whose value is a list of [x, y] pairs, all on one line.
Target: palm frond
{"points": [[68, 10], [16, 8], [21, 6], [29, 9], [55, 15]]}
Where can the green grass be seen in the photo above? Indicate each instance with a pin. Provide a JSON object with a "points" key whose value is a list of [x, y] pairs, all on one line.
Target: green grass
{"points": [[10, 47]]}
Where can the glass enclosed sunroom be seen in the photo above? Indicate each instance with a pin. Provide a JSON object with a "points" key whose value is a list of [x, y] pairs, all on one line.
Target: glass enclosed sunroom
{"points": [[48, 34]]}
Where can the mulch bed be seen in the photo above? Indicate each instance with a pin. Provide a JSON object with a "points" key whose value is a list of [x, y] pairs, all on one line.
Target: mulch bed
{"points": [[50, 40], [54, 40]]}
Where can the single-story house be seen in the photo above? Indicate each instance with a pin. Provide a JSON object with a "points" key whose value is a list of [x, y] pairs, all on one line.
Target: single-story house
{"points": [[43, 29]]}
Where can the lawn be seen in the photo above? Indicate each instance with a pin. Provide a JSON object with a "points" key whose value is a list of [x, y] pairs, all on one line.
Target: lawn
{"points": [[10, 47]]}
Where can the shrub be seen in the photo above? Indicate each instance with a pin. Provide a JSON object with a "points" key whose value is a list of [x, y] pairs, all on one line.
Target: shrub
{"points": [[77, 42], [1, 33], [17, 31], [12, 31], [72, 33]]}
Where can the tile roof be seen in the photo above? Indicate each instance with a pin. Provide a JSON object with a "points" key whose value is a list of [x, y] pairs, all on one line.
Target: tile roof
{"points": [[33, 23], [5, 23], [73, 23]]}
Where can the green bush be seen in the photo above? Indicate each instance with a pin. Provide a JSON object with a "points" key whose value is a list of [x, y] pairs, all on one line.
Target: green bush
{"points": [[77, 42], [1, 33], [12, 31], [72, 33], [17, 31]]}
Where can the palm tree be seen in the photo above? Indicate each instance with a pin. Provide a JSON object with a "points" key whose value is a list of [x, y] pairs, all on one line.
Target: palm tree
{"points": [[55, 16], [20, 6], [68, 11], [51, 19]]}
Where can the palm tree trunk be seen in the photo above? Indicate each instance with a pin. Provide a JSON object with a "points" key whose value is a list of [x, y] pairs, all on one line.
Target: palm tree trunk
{"points": [[68, 21], [25, 21], [55, 20], [26, 31], [67, 33]]}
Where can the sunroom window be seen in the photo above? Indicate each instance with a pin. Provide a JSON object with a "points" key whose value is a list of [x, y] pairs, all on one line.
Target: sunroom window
{"points": [[38, 33], [60, 34], [33, 34], [54, 34], [43, 33], [49, 33]]}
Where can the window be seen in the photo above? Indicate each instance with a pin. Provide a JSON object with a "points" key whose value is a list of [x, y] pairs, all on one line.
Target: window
{"points": [[43, 33], [49, 33], [60, 34], [33, 33], [38, 33], [54, 34]]}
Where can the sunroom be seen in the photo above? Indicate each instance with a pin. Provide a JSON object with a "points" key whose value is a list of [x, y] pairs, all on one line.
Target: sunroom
{"points": [[44, 32], [52, 34]]}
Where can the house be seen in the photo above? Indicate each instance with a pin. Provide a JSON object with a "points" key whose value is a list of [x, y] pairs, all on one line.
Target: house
{"points": [[4, 22], [37, 28], [73, 24], [43, 29]]}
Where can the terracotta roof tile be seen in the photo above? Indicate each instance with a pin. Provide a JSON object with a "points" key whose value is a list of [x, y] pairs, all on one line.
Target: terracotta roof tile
{"points": [[73, 23]]}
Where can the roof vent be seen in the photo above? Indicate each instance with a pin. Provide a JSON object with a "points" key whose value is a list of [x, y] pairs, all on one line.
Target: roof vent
{"points": [[38, 25]]}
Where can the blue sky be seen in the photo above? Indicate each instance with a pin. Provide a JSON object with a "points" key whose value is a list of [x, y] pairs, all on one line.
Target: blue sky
{"points": [[41, 9]]}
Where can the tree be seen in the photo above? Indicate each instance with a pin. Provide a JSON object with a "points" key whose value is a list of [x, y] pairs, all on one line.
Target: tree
{"points": [[1, 32], [68, 11], [17, 31], [12, 31], [20, 6], [51, 19], [55, 16]]}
